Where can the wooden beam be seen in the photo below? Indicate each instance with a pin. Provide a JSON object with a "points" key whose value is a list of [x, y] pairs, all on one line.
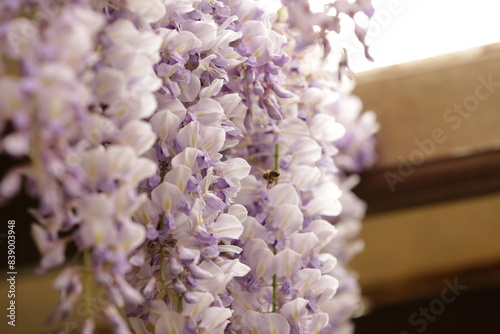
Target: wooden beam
{"points": [[402, 186], [409, 252], [456, 95]]}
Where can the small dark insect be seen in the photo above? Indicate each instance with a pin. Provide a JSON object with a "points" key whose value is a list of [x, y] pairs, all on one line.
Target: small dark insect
{"points": [[270, 176]]}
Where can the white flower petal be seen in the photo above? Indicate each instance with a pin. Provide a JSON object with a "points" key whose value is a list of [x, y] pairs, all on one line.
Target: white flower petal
{"points": [[226, 227], [283, 193], [170, 322]]}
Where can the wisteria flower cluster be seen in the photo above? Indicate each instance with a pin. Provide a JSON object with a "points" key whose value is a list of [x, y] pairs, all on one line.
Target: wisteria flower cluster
{"points": [[199, 155]]}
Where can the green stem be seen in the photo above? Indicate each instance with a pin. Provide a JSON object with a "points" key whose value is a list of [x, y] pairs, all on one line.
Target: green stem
{"points": [[275, 288], [179, 304], [162, 268], [275, 294], [275, 283], [163, 172], [87, 282], [276, 160]]}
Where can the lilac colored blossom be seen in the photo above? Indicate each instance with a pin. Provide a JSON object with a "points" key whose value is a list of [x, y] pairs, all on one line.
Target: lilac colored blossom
{"points": [[149, 127]]}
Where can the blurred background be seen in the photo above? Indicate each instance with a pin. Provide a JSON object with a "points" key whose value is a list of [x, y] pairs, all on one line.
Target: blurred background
{"points": [[432, 233], [433, 196]]}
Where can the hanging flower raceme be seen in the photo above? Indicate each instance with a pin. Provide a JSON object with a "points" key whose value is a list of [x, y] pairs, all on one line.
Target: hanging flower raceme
{"points": [[195, 154], [86, 89]]}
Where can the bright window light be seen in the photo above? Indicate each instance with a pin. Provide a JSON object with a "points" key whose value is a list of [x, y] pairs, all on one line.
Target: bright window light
{"points": [[407, 30]]}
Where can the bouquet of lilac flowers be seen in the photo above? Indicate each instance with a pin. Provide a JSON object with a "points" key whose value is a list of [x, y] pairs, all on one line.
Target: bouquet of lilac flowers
{"points": [[200, 155]]}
